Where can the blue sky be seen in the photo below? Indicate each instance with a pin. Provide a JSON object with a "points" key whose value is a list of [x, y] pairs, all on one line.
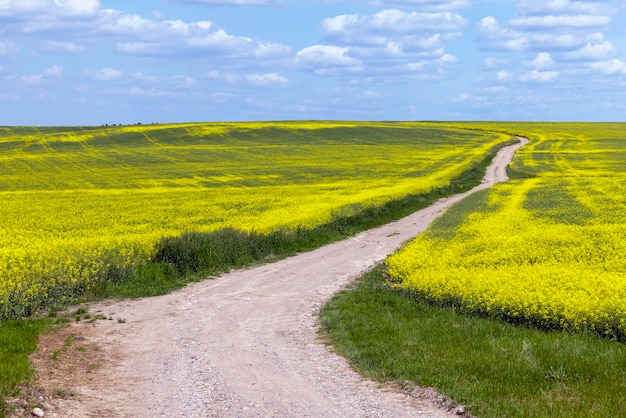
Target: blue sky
{"points": [[91, 62]]}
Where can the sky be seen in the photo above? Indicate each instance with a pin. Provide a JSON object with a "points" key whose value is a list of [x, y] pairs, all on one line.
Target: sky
{"points": [[95, 62]]}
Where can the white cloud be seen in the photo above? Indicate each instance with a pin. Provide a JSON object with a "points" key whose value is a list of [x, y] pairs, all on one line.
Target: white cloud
{"points": [[134, 34], [184, 81], [610, 67], [271, 49], [492, 35], [541, 61], [32, 80], [22, 9], [389, 41], [54, 72], [118, 23], [325, 58], [228, 77], [462, 98], [426, 5], [104, 74], [349, 28], [392, 34], [447, 59], [537, 76], [56, 47], [495, 89], [233, 2], [492, 63], [564, 7], [596, 48], [7, 48], [153, 93], [503, 75], [144, 37], [268, 79], [146, 78], [551, 21]]}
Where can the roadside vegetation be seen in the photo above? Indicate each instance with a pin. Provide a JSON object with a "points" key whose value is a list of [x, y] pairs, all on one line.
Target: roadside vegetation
{"points": [[491, 367]]}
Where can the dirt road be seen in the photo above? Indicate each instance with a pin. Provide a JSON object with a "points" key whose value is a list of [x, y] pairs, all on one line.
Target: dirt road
{"points": [[243, 345]]}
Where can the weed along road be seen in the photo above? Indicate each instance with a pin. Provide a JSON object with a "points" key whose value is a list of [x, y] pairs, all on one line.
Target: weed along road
{"points": [[245, 344]]}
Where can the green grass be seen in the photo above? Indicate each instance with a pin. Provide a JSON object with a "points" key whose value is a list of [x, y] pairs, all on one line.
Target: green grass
{"points": [[18, 339], [493, 368]]}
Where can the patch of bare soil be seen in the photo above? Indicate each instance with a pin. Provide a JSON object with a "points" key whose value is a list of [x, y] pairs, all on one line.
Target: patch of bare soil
{"points": [[243, 345]]}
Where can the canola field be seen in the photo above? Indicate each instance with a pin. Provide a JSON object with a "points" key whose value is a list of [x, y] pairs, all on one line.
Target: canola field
{"points": [[547, 248], [81, 205]]}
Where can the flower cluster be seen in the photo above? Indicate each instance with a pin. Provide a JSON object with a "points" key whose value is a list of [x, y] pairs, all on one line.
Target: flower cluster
{"points": [[546, 250], [80, 205]]}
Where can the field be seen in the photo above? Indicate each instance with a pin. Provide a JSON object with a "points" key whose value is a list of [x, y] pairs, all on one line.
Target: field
{"points": [[543, 252], [545, 249], [499, 305], [85, 205]]}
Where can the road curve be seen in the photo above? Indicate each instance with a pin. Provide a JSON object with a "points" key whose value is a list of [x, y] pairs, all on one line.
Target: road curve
{"points": [[246, 344]]}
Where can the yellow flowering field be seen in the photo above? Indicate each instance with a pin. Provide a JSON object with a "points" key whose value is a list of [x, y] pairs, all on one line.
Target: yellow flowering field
{"points": [[84, 204], [546, 248]]}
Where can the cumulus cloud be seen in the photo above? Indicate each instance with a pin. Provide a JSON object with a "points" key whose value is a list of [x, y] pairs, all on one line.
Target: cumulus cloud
{"points": [[549, 25], [7, 48], [610, 67], [54, 72], [145, 37], [564, 7], [227, 77], [389, 41], [425, 5], [60, 47], [154, 93], [103, 74], [21, 9], [407, 30], [561, 21], [267, 80], [596, 48], [503, 75], [323, 59], [133, 34], [561, 43], [541, 61], [492, 35], [184, 81], [233, 2], [537, 76]]}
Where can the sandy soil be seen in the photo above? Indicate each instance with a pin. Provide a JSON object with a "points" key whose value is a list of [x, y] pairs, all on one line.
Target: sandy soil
{"points": [[242, 345]]}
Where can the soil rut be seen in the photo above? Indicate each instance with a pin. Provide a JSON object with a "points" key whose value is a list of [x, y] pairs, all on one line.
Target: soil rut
{"points": [[243, 345]]}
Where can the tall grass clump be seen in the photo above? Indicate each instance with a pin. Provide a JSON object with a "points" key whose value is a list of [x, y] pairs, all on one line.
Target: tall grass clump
{"points": [[18, 339]]}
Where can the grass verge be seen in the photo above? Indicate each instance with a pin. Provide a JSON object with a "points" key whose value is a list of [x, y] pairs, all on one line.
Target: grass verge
{"points": [[493, 368], [18, 339]]}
